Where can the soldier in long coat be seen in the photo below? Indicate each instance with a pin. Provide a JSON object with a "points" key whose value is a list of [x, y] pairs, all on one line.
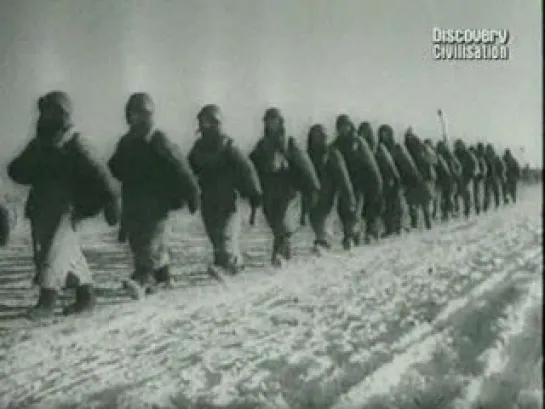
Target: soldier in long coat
{"points": [[225, 175], [284, 170], [480, 176], [393, 194], [455, 168], [444, 186], [512, 175], [391, 215], [420, 195], [67, 185], [155, 180], [493, 181], [469, 171], [366, 180], [334, 182]]}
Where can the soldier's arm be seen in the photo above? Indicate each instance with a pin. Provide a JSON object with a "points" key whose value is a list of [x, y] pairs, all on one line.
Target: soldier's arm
{"points": [[192, 159], [96, 173], [172, 155], [305, 167], [255, 158], [117, 164], [246, 175], [342, 177], [23, 168]]}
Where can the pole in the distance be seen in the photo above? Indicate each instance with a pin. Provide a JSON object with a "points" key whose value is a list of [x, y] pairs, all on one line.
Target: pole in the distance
{"points": [[443, 127]]}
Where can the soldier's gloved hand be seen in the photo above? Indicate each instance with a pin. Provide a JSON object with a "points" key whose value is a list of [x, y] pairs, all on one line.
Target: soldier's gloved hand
{"points": [[111, 214], [313, 198], [255, 202], [122, 235], [252, 216], [194, 205]]}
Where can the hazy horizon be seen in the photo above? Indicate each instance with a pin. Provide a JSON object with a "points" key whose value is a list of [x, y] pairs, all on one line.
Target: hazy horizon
{"points": [[313, 59]]}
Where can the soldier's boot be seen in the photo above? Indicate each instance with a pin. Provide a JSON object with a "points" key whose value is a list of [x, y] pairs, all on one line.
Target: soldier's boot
{"points": [[413, 215], [85, 301], [163, 277], [282, 250], [276, 257], [427, 218], [320, 245], [45, 307], [139, 285]]}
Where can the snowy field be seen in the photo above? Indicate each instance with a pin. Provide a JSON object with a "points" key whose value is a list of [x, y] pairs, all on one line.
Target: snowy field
{"points": [[449, 318]]}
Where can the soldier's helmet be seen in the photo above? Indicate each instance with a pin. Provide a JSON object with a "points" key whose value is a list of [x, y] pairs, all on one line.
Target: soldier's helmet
{"points": [[272, 113], [459, 144], [386, 136], [140, 103], [316, 135], [56, 102], [343, 120], [210, 113], [316, 129]]}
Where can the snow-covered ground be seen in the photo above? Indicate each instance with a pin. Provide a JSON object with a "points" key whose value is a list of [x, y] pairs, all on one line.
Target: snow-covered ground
{"points": [[449, 318]]}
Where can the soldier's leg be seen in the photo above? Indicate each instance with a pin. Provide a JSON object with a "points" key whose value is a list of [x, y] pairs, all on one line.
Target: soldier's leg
{"points": [[477, 195], [223, 230], [276, 215], [228, 254], [412, 198], [372, 212], [496, 192], [318, 221], [487, 194], [64, 265], [349, 220], [514, 190], [505, 192], [466, 198], [388, 216]]}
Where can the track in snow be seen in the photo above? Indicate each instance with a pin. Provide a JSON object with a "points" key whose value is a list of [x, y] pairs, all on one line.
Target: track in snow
{"points": [[418, 322]]}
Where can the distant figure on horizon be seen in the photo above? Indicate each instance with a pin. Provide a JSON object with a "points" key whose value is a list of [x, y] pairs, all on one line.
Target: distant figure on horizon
{"points": [[155, 180], [224, 175], [67, 185], [480, 177], [512, 175], [494, 178]]}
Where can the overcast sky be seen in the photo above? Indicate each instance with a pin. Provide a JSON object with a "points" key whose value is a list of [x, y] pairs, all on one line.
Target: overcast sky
{"points": [[312, 58]]}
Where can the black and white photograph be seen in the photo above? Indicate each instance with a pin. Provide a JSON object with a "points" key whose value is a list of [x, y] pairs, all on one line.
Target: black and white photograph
{"points": [[271, 204]]}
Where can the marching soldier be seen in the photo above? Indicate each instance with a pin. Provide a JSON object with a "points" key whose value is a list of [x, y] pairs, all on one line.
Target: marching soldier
{"points": [[67, 185], [284, 170], [155, 179], [334, 182], [366, 180], [224, 175], [513, 174]]}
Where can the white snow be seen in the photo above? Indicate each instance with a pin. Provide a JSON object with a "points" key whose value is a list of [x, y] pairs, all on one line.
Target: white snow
{"points": [[362, 319]]}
